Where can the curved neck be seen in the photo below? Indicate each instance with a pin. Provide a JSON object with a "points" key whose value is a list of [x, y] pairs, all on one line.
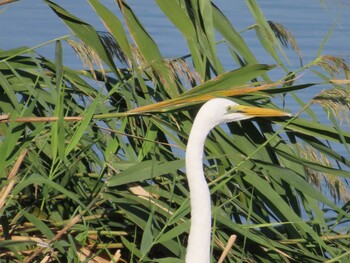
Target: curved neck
{"points": [[198, 249]]}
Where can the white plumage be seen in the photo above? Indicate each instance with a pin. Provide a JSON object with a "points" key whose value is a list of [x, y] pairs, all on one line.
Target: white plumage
{"points": [[212, 113]]}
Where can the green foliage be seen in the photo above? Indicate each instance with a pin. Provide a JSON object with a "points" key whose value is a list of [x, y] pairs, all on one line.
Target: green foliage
{"points": [[91, 162]]}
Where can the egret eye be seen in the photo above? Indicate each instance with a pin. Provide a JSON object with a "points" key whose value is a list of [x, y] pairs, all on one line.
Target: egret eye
{"points": [[232, 109], [229, 108]]}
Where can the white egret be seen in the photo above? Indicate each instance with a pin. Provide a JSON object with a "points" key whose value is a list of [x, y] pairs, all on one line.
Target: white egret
{"points": [[212, 113]]}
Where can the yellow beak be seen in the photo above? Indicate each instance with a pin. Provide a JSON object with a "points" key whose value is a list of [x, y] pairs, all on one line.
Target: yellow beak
{"points": [[257, 112]]}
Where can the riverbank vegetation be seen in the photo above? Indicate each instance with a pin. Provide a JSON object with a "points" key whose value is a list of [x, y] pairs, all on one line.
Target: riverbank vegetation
{"points": [[92, 159]]}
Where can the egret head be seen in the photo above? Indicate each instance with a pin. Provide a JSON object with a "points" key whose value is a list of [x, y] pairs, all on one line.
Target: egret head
{"points": [[222, 110]]}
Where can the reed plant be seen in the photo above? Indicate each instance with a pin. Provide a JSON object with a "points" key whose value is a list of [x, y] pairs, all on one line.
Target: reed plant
{"points": [[92, 160]]}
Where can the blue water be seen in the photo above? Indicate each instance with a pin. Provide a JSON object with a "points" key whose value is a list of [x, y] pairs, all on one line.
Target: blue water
{"points": [[31, 22]]}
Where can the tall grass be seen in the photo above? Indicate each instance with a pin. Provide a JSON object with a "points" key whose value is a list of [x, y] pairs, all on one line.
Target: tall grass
{"points": [[92, 160]]}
